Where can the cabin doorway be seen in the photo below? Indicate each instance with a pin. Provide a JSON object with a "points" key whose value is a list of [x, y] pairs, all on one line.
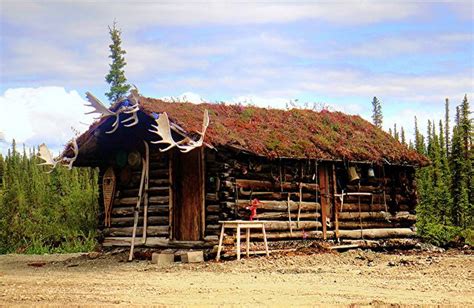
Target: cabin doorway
{"points": [[188, 207]]}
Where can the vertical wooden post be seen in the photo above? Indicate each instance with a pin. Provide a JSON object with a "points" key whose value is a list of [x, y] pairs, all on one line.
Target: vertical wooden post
{"points": [[238, 242], [203, 191], [336, 203], [221, 238], [248, 242], [145, 196], [324, 198], [171, 194]]}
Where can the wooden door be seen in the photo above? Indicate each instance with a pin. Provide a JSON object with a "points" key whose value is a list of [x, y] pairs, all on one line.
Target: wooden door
{"points": [[188, 195]]}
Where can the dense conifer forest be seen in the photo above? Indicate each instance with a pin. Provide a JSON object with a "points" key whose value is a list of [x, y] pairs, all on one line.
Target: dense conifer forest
{"points": [[44, 212]]}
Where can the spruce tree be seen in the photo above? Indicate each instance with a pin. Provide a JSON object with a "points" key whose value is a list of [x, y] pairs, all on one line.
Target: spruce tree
{"points": [[446, 125], [402, 136], [116, 76], [377, 112], [395, 132]]}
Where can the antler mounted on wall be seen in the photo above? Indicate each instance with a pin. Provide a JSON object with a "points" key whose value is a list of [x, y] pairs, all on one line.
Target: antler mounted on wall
{"points": [[163, 129], [125, 108], [45, 154]]}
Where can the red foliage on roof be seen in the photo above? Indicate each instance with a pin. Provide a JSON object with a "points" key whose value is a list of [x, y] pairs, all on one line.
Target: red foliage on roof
{"points": [[295, 133]]}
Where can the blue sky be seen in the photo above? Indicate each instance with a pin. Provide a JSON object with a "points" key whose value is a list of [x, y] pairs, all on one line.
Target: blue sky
{"points": [[410, 54]]}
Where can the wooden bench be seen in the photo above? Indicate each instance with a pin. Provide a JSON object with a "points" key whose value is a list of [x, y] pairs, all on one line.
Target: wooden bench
{"points": [[238, 225]]}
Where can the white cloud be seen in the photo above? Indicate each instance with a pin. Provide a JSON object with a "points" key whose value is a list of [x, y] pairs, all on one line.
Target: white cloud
{"points": [[46, 114]]}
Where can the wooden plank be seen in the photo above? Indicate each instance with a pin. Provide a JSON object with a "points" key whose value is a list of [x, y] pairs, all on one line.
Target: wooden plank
{"points": [[202, 170], [323, 183], [129, 210], [378, 233], [335, 201], [128, 221], [187, 210], [280, 205], [128, 231], [170, 194], [257, 184]]}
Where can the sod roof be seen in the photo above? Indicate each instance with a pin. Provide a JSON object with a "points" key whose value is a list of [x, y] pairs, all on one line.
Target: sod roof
{"points": [[295, 133]]}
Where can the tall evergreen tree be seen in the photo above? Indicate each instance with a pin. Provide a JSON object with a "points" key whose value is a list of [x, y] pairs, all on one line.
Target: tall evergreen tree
{"points": [[377, 112], [402, 136], [395, 132], [116, 76], [446, 125]]}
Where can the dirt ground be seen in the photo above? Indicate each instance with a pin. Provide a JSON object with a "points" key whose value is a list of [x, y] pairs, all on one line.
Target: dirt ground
{"points": [[304, 278]]}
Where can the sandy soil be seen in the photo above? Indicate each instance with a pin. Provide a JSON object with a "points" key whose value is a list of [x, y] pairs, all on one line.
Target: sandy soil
{"points": [[353, 277]]}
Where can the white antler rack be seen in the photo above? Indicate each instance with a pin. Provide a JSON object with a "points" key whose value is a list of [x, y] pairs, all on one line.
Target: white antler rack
{"points": [[45, 154], [163, 129]]}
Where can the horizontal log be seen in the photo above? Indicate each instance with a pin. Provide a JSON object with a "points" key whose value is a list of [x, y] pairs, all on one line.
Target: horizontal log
{"points": [[129, 211], [161, 242], [158, 182], [349, 224], [283, 215], [127, 231], [399, 216], [212, 197], [213, 208], [270, 195], [378, 233], [128, 221], [213, 218], [404, 243], [281, 205], [157, 190], [133, 200], [255, 184], [155, 173], [365, 207], [289, 235]]}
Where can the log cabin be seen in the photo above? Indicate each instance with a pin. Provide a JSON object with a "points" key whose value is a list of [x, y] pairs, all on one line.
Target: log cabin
{"points": [[316, 175]]}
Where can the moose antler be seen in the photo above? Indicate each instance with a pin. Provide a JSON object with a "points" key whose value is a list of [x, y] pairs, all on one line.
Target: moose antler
{"points": [[195, 144], [95, 103], [75, 149], [46, 155], [163, 130]]}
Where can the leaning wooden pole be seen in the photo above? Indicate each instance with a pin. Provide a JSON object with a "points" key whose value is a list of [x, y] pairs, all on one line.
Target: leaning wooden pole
{"points": [[137, 211], [145, 195]]}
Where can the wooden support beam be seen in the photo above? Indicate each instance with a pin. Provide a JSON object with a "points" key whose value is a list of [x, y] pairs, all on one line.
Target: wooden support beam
{"points": [[280, 205], [324, 188]]}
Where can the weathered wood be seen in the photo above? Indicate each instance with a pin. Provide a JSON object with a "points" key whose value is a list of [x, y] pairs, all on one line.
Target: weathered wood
{"points": [[270, 195], [159, 182], [324, 184], [287, 235], [170, 194], [137, 207], [128, 231], [364, 207], [213, 208], [156, 190], [399, 216], [255, 184], [283, 215], [158, 242], [133, 200], [128, 221], [127, 211], [348, 224], [145, 188], [378, 233], [280, 205], [336, 202], [271, 225]]}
